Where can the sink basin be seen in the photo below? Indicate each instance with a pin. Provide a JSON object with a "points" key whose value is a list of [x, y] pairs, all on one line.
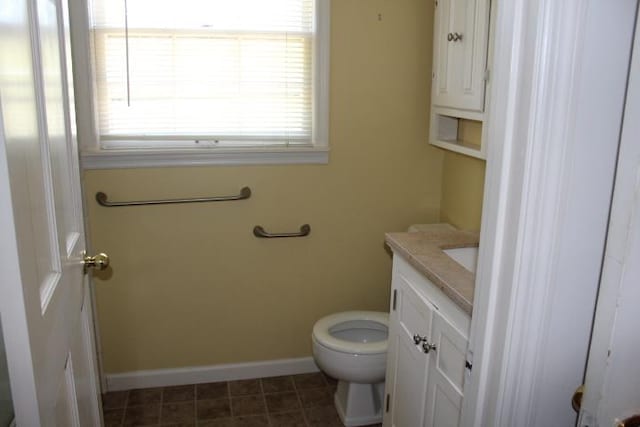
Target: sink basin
{"points": [[466, 257]]}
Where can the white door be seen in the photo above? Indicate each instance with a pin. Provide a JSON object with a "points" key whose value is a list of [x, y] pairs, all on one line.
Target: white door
{"points": [[446, 375], [44, 298], [612, 383], [407, 364]]}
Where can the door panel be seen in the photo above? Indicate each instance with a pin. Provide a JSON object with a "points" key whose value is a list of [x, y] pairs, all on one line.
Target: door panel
{"points": [[58, 123], [85, 366], [66, 403], [451, 353], [408, 383], [445, 411], [446, 375], [414, 315], [442, 27], [408, 398]]}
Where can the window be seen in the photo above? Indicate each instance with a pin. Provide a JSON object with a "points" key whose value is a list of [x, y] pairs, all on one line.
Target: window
{"points": [[192, 74]]}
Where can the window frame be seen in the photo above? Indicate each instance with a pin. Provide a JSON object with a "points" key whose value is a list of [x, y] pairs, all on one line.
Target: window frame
{"points": [[94, 156]]}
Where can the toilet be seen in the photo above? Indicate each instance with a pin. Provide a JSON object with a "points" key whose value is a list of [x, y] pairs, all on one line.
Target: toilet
{"points": [[352, 347]]}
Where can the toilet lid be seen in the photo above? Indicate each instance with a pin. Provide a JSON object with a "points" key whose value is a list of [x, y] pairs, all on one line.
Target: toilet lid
{"points": [[322, 331]]}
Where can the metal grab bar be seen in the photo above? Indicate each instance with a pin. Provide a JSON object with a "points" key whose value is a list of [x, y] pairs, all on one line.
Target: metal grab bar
{"points": [[101, 198], [258, 231]]}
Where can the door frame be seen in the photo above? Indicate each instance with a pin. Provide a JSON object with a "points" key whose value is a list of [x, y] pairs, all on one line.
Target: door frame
{"points": [[559, 77]]}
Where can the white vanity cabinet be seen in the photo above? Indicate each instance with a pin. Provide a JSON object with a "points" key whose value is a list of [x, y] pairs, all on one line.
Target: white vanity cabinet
{"points": [[428, 336]]}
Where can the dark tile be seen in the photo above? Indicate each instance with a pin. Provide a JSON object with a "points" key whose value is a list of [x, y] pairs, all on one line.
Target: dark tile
{"points": [[144, 396], [282, 402], [277, 384], [244, 387], [322, 416], [248, 405], [219, 422], [113, 417], [212, 390], [114, 399], [314, 380], [251, 421], [316, 397], [215, 408], [181, 424], [333, 383], [287, 419], [180, 393], [173, 412], [142, 415]]}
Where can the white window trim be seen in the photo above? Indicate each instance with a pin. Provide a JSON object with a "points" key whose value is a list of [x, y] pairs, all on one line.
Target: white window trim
{"points": [[93, 156]]}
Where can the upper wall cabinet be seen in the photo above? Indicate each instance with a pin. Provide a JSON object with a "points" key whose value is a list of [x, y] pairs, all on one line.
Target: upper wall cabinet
{"points": [[460, 58], [461, 41]]}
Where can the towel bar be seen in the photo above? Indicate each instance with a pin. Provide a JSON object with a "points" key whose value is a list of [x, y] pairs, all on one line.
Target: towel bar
{"points": [[101, 198]]}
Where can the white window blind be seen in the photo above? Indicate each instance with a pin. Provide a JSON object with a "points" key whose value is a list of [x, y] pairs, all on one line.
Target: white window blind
{"points": [[224, 72]]}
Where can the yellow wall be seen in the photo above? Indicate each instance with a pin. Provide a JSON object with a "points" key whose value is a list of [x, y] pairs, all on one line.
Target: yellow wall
{"points": [[190, 285], [463, 182]]}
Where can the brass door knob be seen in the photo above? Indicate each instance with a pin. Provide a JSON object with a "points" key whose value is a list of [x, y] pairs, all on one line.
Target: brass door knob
{"points": [[576, 400], [633, 421], [100, 261]]}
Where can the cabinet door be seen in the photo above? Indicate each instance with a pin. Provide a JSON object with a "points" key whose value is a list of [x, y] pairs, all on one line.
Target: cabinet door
{"points": [[407, 364], [460, 60], [446, 375]]}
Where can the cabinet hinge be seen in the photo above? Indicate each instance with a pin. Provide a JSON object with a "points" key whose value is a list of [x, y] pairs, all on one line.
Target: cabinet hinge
{"points": [[387, 404], [395, 297]]}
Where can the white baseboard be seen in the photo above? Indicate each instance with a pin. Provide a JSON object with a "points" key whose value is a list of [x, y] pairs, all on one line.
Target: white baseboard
{"points": [[207, 374]]}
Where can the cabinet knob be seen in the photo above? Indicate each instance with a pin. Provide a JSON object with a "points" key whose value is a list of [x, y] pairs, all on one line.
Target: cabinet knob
{"points": [[417, 339], [456, 37], [427, 348], [450, 37]]}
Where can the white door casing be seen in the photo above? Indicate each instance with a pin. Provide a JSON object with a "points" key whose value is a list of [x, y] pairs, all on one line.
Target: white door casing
{"points": [[612, 385], [558, 85], [44, 295]]}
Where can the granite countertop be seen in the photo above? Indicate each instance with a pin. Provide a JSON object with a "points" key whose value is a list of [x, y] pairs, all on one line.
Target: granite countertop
{"points": [[423, 249]]}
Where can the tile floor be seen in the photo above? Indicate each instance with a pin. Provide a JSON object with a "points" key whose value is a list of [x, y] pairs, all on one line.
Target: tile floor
{"points": [[304, 400]]}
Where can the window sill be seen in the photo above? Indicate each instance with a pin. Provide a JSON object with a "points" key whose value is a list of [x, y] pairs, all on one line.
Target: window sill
{"points": [[131, 159]]}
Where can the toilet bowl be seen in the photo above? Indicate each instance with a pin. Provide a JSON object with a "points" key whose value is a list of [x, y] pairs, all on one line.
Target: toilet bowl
{"points": [[352, 348]]}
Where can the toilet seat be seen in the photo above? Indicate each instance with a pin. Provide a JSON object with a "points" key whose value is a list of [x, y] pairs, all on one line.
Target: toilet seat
{"points": [[322, 332]]}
